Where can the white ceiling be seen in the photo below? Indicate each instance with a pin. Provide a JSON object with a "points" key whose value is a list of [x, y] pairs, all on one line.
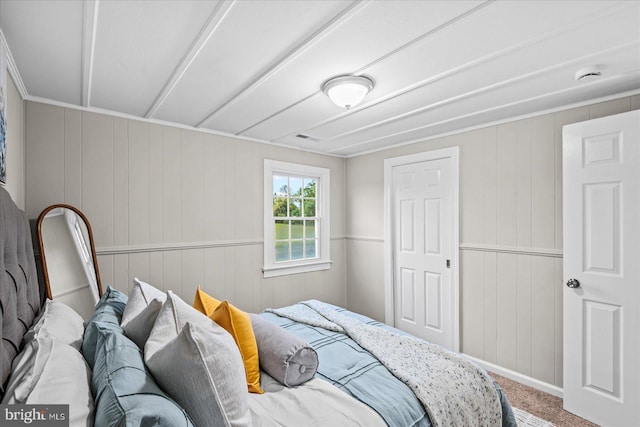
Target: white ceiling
{"points": [[255, 68]]}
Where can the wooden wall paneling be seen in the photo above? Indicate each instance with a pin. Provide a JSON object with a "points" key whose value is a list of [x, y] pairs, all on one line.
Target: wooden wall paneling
{"points": [[106, 266], [563, 118], [245, 272], [268, 294], [558, 286], [156, 270], [139, 267], [257, 304], [543, 319], [472, 312], [490, 187], [491, 307], [295, 291], [365, 273], [120, 185], [215, 156], [138, 182], [557, 192], [523, 180], [523, 314], [247, 192], [543, 182], [608, 108], [172, 273], [337, 196], [97, 170], [228, 197], [507, 302], [156, 192], [171, 186], [121, 279], [192, 272], [44, 155], [192, 183], [229, 280], [281, 293], [72, 157], [214, 267], [507, 184], [472, 199], [331, 288]]}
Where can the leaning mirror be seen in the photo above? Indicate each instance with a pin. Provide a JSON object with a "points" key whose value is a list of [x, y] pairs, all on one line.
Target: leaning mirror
{"points": [[69, 263]]}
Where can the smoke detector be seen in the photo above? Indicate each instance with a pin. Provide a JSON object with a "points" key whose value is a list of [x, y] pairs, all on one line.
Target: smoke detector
{"points": [[588, 73]]}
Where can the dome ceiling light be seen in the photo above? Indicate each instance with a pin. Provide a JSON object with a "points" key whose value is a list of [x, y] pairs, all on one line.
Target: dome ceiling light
{"points": [[347, 91]]}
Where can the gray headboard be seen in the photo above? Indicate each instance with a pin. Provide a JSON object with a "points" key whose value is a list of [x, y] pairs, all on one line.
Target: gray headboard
{"points": [[19, 290]]}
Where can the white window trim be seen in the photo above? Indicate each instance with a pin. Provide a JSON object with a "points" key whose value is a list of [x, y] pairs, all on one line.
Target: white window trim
{"points": [[323, 262]]}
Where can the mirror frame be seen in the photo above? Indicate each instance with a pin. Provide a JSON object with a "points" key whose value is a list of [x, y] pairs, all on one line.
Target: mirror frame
{"points": [[43, 258]]}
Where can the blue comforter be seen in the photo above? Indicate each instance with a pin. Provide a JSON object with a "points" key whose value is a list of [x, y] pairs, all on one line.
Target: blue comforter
{"points": [[348, 366]]}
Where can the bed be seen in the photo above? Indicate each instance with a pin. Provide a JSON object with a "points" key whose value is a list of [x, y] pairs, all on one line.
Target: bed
{"points": [[150, 358]]}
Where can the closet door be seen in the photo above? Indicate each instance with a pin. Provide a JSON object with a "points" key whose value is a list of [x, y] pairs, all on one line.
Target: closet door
{"points": [[601, 223], [423, 219]]}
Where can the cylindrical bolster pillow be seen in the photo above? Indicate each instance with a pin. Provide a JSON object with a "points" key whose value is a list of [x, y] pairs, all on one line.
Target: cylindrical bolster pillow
{"points": [[287, 358]]}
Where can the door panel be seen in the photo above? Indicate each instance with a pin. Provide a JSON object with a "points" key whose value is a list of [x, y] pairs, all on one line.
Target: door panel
{"points": [[601, 221], [408, 295], [602, 368], [422, 208], [433, 301]]}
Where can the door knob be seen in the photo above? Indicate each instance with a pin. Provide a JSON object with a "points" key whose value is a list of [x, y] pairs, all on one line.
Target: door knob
{"points": [[573, 283]]}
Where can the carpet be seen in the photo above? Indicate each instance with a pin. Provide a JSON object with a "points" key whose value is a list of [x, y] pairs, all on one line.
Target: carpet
{"points": [[525, 419]]}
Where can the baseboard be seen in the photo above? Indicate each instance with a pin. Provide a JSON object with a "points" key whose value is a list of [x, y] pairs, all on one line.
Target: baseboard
{"points": [[516, 376]]}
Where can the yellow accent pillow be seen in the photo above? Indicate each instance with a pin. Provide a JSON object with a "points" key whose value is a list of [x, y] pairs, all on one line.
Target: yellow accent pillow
{"points": [[238, 324], [205, 303]]}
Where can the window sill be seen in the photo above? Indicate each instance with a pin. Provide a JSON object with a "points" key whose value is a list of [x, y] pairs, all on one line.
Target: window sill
{"points": [[283, 270]]}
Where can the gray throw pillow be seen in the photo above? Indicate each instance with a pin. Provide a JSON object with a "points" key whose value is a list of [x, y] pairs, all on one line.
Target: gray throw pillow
{"points": [[287, 358], [198, 363], [141, 311]]}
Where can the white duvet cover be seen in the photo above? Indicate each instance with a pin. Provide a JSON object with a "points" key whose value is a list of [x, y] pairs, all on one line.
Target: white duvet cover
{"points": [[314, 403]]}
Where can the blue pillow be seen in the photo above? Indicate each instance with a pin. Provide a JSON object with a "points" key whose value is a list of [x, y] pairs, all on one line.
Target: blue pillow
{"points": [[107, 315], [126, 394], [113, 298]]}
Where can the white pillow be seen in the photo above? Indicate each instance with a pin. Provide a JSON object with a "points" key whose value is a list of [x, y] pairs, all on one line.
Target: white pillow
{"points": [[58, 321], [198, 363], [47, 371], [141, 311]]}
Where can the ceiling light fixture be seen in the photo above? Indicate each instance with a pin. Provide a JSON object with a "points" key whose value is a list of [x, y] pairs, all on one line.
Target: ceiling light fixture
{"points": [[347, 91]]}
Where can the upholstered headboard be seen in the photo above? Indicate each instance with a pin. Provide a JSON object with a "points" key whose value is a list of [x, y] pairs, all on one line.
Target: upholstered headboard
{"points": [[19, 290]]}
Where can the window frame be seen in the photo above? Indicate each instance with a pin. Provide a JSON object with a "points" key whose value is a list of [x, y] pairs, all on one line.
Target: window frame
{"points": [[271, 268]]}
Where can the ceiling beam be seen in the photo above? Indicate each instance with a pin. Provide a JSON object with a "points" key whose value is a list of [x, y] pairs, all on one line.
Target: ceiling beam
{"points": [[363, 69], [89, 27], [452, 71], [210, 27], [289, 56]]}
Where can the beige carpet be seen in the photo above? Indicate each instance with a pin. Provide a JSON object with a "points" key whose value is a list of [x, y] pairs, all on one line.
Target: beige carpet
{"points": [[525, 419], [539, 403]]}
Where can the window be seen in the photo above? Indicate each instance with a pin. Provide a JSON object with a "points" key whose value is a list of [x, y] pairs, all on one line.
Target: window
{"points": [[296, 218]]}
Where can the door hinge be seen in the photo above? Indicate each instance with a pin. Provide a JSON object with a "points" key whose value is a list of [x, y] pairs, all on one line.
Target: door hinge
{"points": [[448, 263]]}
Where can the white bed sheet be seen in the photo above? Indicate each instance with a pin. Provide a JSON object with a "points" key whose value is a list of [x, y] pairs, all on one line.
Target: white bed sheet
{"points": [[314, 403]]}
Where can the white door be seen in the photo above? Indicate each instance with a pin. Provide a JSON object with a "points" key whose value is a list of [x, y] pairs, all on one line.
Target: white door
{"points": [[422, 208], [601, 222]]}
